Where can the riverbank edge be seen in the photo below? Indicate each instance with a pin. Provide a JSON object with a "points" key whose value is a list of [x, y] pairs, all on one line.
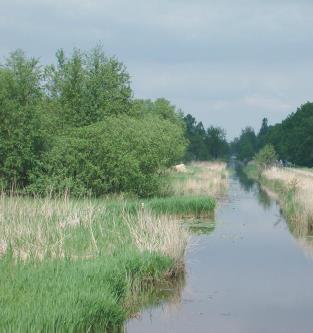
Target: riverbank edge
{"points": [[133, 277], [284, 195]]}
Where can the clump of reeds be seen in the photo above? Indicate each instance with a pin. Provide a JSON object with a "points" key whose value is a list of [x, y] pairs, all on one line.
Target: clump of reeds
{"points": [[297, 194], [40, 228], [201, 178], [158, 234]]}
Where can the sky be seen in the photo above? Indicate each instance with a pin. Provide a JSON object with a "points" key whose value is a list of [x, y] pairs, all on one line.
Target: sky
{"points": [[228, 63]]}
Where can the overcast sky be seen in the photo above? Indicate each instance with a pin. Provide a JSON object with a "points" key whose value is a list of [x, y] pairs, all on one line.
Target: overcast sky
{"points": [[229, 63]]}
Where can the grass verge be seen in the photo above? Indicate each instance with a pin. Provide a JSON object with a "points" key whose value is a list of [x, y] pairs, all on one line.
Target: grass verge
{"points": [[294, 191]]}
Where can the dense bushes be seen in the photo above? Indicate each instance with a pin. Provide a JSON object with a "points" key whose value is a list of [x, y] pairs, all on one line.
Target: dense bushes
{"points": [[75, 126], [120, 154]]}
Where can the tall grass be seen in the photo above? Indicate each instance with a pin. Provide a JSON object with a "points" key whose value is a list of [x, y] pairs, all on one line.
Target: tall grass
{"points": [[149, 235], [201, 178], [83, 264], [296, 189], [183, 206], [70, 265], [293, 188]]}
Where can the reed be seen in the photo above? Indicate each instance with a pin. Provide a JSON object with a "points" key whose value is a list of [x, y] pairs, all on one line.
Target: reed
{"points": [[77, 264], [296, 189], [201, 178]]}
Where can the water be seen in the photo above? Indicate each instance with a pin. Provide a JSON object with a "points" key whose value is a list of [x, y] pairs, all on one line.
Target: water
{"points": [[248, 274]]}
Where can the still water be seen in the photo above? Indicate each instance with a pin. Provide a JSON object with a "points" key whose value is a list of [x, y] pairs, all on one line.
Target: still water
{"points": [[249, 273]]}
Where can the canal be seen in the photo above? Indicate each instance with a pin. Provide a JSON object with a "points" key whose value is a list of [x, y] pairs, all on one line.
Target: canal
{"points": [[245, 273]]}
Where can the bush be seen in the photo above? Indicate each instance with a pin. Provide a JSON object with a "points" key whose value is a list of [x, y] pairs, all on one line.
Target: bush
{"points": [[266, 157], [120, 154]]}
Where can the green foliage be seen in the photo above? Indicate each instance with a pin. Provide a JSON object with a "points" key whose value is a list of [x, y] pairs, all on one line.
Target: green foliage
{"points": [[73, 296], [266, 157], [183, 205], [74, 126], [261, 137], [121, 154], [204, 144], [22, 137], [246, 145], [160, 107], [88, 86], [216, 142], [293, 137]]}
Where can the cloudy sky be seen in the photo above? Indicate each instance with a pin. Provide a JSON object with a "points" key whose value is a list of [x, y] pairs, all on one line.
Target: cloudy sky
{"points": [[229, 63]]}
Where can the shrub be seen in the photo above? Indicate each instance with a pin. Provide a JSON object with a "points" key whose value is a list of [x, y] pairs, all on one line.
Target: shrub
{"points": [[120, 154], [266, 157]]}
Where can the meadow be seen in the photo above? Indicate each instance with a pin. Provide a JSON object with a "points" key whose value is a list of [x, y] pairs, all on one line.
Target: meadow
{"points": [[84, 264]]}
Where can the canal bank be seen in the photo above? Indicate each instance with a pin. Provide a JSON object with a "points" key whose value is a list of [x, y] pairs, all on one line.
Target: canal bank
{"points": [[248, 275]]}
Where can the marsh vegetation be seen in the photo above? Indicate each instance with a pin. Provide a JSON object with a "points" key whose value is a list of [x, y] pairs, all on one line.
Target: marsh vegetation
{"points": [[77, 264]]}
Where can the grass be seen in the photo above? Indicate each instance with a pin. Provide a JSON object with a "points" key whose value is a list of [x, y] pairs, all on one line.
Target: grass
{"points": [[294, 190], [87, 264], [201, 178], [183, 206]]}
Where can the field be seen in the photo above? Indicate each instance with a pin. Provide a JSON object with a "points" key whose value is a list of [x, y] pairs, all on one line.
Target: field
{"points": [[83, 264]]}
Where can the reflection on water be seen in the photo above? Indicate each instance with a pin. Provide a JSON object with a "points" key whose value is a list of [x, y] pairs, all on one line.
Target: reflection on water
{"points": [[250, 185], [247, 273]]}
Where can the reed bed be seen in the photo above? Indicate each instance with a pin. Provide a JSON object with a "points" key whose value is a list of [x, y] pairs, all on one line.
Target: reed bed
{"points": [[72, 265], [158, 234], [183, 206], [201, 178], [297, 191], [66, 228], [76, 264]]}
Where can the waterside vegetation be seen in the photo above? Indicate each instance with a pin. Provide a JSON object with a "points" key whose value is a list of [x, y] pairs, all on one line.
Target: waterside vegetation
{"points": [[294, 189], [77, 264]]}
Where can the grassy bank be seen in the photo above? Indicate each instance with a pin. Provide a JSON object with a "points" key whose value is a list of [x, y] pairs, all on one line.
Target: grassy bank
{"points": [[82, 265], [294, 190]]}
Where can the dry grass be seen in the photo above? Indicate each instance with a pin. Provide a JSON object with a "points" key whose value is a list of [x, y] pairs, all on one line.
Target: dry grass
{"points": [[202, 178], [65, 228], [158, 234], [41, 228], [300, 183]]}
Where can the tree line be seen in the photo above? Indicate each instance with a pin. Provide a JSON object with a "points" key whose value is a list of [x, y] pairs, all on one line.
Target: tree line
{"points": [[292, 139], [76, 126]]}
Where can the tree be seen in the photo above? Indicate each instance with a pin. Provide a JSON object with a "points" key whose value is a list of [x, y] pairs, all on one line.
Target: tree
{"points": [[246, 145], [216, 142], [261, 137], [22, 138], [88, 86], [293, 137], [266, 157]]}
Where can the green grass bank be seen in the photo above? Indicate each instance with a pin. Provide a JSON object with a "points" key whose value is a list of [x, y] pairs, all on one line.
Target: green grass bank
{"points": [[77, 265]]}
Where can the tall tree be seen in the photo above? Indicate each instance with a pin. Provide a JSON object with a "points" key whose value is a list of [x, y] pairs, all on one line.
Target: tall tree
{"points": [[88, 86], [21, 135]]}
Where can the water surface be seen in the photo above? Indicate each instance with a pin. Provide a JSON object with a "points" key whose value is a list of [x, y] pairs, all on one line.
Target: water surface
{"points": [[246, 274]]}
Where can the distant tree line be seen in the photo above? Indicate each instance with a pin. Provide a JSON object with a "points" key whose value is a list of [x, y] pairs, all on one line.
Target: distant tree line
{"points": [[292, 139], [204, 144]]}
